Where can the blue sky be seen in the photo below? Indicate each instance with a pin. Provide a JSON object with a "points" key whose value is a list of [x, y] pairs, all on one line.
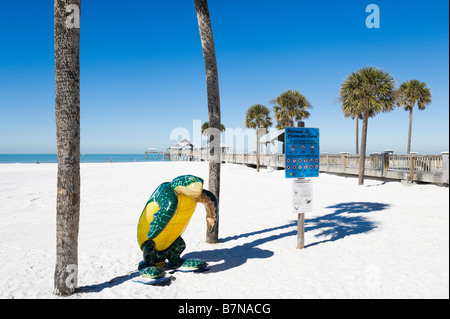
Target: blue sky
{"points": [[142, 71]]}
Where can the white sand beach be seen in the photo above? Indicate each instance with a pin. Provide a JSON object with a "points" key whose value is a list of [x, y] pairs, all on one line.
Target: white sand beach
{"points": [[380, 240]]}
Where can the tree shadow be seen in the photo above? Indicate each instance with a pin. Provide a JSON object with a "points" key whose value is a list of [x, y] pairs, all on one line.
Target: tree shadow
{"points": [[376, 185], [333, 226], [257, 232], [108, 284], [346, 220], [340, 223]]}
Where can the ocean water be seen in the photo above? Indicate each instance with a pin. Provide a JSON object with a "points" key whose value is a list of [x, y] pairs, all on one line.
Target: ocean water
{"points": [[84, 158]]}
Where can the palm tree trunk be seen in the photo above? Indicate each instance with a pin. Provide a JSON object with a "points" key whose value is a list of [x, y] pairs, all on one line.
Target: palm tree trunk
{"points": [[408, 149], [362, 155], [212, 82], [67, 116], [357, 135]]}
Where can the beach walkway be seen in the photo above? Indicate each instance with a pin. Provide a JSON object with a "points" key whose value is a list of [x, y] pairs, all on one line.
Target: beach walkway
{"points": [[407, 167]]}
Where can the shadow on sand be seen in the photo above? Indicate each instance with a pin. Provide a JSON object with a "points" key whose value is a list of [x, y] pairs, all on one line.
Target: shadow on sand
{"points": [[238, 255], [346, 220]]}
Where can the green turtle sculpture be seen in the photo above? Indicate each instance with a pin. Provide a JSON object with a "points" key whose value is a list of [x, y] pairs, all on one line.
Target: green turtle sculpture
{"points": [[163, 221]]}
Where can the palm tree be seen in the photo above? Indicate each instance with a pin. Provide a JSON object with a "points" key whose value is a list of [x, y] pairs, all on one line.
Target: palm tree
{"points": [[367, 91], [290, 106], [411, 93], [212, 83], [257, 117], [205, 128], [356, 117], [67, 116]]}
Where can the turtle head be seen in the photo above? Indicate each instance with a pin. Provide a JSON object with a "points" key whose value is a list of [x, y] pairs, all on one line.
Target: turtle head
{"points": [[188, 185]]}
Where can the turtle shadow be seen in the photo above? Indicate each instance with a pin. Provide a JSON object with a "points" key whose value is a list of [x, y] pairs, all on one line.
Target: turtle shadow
{"points": [[240, 254], [234, 256]]}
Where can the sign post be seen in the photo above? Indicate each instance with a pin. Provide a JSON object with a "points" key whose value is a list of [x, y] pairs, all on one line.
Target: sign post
{"points": [[301, 203], [301, 161]]}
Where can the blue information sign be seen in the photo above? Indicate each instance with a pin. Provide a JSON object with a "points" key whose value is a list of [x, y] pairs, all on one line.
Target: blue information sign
{"points": [[302, 152]]}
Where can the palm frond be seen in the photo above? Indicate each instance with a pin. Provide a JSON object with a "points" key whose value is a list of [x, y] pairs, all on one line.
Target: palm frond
{"points": [[290, 106], [367, 91], [414, 92], [257, 116]]}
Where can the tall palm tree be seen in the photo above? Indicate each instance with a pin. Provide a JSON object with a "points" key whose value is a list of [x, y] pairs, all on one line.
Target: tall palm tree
{"points": [[411, 93], [290, 106], [212, 84], [67, 116], [367, 91], [257, 117]]}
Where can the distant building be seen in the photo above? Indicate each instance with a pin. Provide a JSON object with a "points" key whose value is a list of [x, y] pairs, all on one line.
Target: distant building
{"points": [[183, 145]]}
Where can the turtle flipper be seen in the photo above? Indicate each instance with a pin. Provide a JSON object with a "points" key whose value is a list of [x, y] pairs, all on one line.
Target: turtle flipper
{"points": [[208, 199], [152, 272], [167, 201], [193, 264], [173, 254]]}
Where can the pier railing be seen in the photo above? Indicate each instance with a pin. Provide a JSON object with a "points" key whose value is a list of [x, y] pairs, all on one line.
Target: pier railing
{"points": [[410, 167]]}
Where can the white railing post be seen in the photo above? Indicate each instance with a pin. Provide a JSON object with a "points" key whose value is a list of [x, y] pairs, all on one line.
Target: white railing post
{"points": [[445, 167]]}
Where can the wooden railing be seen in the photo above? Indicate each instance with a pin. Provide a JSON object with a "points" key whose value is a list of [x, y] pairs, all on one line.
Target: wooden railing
{"points": [[411, 167]]}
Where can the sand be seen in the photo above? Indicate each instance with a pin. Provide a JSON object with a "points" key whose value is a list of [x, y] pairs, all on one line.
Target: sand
{"points": [[380, 240]]}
